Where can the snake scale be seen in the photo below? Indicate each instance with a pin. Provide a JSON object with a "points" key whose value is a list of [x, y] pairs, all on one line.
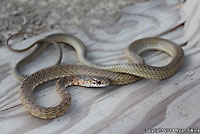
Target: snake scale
{"points": [[90, 74]]}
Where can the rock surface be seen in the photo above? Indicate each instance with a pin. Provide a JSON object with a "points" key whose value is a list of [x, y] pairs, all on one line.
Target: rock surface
{"points": [[46, 15]]}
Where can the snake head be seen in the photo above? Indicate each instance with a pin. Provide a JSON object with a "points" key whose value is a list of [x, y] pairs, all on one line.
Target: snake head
{"points": [[93, 81]]}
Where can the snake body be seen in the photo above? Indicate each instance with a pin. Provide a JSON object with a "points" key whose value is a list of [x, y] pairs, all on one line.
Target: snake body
{"points": [[132, 52], [94, 75], [64, 72]]}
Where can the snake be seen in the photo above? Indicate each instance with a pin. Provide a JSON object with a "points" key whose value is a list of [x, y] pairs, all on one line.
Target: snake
{"points": [[90, 74]]}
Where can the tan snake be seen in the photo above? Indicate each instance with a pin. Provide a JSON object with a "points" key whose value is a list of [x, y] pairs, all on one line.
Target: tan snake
{"points": [[90, 74]]}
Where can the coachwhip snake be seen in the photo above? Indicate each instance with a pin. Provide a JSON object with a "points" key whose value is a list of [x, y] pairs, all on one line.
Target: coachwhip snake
{"points": [[90, 74]]}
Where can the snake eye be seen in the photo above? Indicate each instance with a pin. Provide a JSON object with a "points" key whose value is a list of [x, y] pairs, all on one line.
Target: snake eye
{"points": [[98, 82]]}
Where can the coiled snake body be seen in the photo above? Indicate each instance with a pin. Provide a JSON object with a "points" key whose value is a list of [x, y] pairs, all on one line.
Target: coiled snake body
{"points": [[93, 75]]}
